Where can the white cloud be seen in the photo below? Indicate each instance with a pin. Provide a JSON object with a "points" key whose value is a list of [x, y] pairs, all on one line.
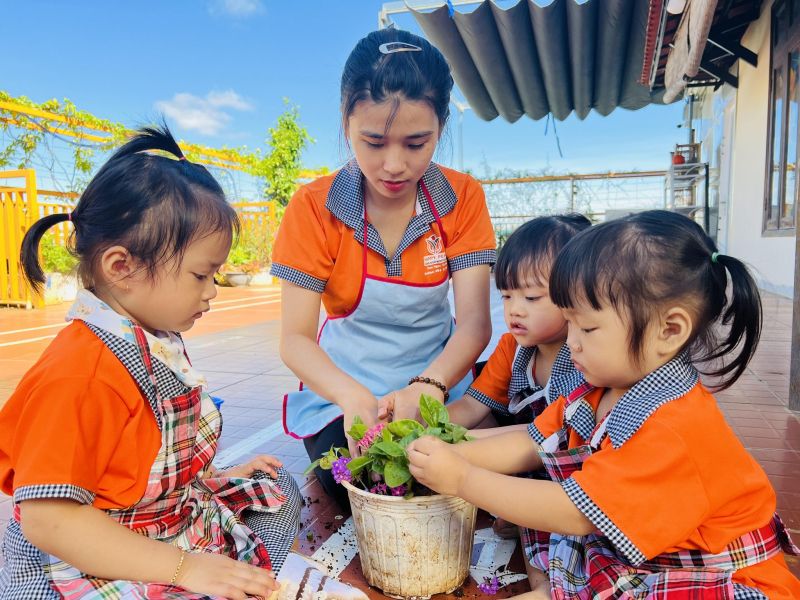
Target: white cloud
{"points": [[229, 99], [204, 115], [235, 8]]}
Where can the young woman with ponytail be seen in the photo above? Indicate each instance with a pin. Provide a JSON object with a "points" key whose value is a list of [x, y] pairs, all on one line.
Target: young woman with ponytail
{"points": [[107, 443]]}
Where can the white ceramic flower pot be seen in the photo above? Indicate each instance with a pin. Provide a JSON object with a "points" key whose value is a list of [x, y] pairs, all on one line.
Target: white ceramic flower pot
{"points": [[413, 548]]}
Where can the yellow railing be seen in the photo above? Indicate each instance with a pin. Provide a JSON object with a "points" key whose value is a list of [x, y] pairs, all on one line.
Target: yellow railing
{"points": [[21, 204], [18, 210]]}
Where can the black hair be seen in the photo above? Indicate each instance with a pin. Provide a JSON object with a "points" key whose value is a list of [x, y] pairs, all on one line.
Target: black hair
{"points": [[413, 75], [152, 205], [642, 263], [529, 253]]}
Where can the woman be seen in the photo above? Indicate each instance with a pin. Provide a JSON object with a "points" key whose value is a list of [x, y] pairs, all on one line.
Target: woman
{"points": [[377, 244]]}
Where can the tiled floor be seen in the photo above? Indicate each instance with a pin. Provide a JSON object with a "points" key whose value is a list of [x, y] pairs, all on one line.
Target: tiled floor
{"points": [[239, 354]]}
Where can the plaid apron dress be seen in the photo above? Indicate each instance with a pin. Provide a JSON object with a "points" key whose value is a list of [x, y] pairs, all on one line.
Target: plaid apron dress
{"points": [[590, 567], [178, 507]]}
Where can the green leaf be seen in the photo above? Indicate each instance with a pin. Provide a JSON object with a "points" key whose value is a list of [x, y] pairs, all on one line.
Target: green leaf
{"points": [[358, 464], [457, 432], [386, 434], [357, 429], [434, 431], [390, 448], [404, 427], [311, 467], [396, 473], [433, 412]]}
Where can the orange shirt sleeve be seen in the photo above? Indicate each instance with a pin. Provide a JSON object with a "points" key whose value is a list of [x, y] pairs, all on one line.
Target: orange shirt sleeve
{"points": [[66, 433], [547, 423], [301, 253], [473, 231], [491, 386]]}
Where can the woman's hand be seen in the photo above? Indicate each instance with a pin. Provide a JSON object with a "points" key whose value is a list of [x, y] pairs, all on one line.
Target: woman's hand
{"points": [[437, 465], [404, 403], [218, 575], [364, 406], [264, 462]]}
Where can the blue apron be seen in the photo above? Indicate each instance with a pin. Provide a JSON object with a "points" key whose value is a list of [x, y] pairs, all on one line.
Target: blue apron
{"points": [[395, 330]]}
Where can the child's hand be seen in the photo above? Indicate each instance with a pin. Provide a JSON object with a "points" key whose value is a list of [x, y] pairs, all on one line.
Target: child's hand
{"points": [[217, 575], [264, 462], [437, 465]]}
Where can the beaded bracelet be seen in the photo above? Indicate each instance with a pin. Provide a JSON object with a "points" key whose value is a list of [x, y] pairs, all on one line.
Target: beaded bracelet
{"points": [[178, 568], [432, 382]]}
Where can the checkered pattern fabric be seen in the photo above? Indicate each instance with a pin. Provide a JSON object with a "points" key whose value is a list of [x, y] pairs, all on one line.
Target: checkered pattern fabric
{"points": [[298, 278], [178, 506], [609, 564], [472, 259], [346, 202], [519, 371], [584, 567], [130, 357], [669, 382], [277, 530], [487, 400], [65, 491]]}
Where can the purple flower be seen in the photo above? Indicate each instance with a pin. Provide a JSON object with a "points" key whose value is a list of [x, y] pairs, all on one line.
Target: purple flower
{"points": [[379, 488], [369, 437], [488, 586], [400, 490], [340, 471]]}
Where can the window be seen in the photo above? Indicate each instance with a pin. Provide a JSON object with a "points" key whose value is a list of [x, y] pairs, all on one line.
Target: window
{"points": [[784, 115]]}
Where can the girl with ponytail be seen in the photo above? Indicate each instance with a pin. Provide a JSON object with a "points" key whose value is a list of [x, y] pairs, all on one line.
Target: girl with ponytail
{"points": [[651, 494], [107, 443]]}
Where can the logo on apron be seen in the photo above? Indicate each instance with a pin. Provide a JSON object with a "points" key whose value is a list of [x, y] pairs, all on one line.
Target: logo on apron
{"points": [[436, 260]]}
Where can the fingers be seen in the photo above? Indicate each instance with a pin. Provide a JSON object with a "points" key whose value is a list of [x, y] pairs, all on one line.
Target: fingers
{"points": [[386, 407]]}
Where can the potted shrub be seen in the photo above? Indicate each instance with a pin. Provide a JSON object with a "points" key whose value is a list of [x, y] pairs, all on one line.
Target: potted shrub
{"points": [[61, 282], [412, 541]]}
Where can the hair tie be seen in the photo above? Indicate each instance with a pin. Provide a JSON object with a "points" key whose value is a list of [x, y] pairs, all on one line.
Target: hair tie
{"points": [[69, 216], [714, 256], [181, 158]]}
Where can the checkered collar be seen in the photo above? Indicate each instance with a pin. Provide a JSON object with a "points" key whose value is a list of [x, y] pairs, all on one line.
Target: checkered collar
{"points": [[669, 382], [563, 376], [346, 196]]}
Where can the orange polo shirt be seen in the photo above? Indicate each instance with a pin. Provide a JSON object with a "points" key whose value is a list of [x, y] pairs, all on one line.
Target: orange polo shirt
{"points": [[78, 418], [683, 481], [319, 244]]}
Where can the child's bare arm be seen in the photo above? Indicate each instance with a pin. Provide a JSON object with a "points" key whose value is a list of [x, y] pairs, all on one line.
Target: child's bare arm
{"points": [[467, 411], [90, 540], [528, 502], [512, 452], [479, 434]]}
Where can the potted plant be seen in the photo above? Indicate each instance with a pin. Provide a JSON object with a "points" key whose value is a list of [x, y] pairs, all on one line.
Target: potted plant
{"points": [[412, 541], [58, 264]]}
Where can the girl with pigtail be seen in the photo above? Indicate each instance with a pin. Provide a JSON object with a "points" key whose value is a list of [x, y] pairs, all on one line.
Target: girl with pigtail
{"points": [[107, 443], [651, 494]]}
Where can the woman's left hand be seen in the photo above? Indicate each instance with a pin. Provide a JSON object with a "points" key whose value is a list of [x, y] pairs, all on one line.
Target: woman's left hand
{"points": [[404, 403], [437, 465], [264, 462]]}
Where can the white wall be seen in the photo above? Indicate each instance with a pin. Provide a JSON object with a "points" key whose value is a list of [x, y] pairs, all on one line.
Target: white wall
{"points": [[771, 258]]}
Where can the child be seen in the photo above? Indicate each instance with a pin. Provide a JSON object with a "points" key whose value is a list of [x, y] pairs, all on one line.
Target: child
{"points": [[107, 443], [531, 362], [652, 493]]}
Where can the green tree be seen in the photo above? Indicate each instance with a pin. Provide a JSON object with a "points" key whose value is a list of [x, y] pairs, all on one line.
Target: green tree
{"points": [[281, 167]]}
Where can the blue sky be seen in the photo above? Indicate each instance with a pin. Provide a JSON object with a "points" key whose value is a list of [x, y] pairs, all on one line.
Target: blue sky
{"points": [[219, 70]]}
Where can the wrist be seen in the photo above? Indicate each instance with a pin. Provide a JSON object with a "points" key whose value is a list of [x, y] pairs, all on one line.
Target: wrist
{"points": [[431, 383]]}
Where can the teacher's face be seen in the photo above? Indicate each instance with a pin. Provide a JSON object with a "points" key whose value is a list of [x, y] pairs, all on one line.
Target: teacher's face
{"points": [[393, 143]]}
